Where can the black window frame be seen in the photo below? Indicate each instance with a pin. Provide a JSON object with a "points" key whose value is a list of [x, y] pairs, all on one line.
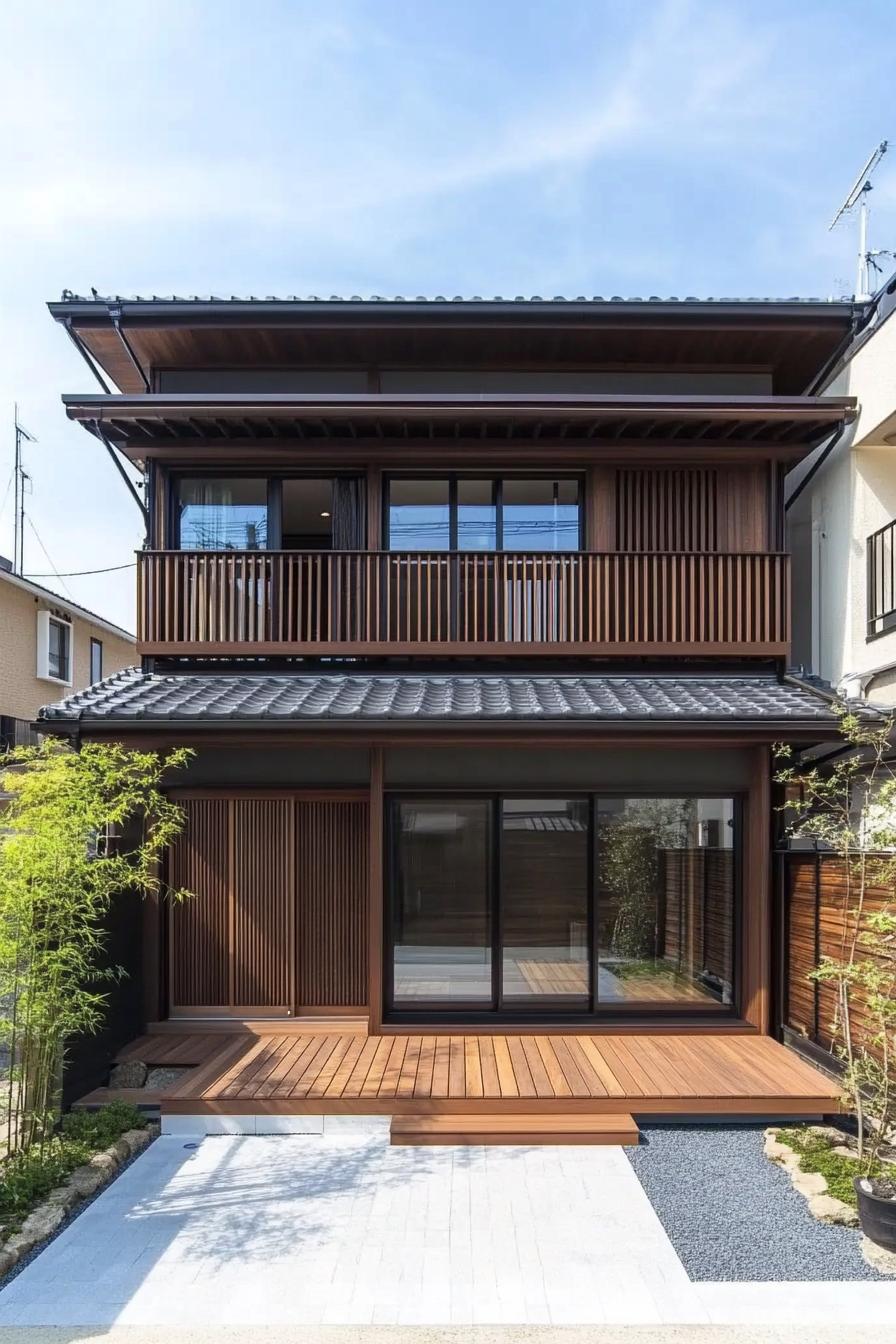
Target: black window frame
{"points": [[497, 482], [96, 644], [473, 1011], [65, 676], [274, 504]]}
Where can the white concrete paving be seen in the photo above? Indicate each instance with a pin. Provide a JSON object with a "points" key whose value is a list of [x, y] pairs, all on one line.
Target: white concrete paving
{"points": [[341, 1229]]}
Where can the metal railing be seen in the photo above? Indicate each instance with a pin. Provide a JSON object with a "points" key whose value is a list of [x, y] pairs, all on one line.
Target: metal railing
{"points": [[881, 549]]}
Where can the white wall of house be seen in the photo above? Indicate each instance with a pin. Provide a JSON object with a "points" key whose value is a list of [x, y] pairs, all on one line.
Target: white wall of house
{"points": [[852, 495]]}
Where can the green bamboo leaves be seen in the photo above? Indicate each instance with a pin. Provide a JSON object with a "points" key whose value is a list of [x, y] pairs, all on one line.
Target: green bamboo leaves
{"points": [[81, 829]]}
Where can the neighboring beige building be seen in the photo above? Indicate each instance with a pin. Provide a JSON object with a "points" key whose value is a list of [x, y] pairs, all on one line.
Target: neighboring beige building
{"points": [[841, 526], [49, 647]]}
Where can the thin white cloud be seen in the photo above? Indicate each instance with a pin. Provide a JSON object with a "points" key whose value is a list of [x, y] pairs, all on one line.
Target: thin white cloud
{"points": [[679, 80]]}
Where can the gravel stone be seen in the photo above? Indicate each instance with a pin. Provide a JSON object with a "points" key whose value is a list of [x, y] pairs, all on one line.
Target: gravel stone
{"points": [[158, 1079], [130, 1074], [734, 1216]]}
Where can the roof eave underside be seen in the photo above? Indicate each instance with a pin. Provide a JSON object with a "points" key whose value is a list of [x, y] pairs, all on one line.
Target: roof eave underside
{"points": [[793, 338], [141, 425]]}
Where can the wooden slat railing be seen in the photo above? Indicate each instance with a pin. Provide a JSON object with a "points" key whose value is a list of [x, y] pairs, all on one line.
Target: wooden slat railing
{"points": [[357, 602]]}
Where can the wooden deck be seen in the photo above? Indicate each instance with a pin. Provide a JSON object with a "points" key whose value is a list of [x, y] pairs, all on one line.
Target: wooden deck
{"points": [[344, 1071]]}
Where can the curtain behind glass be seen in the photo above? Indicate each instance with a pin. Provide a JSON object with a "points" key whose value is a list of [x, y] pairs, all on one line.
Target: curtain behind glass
{"points": [[220, 514]]}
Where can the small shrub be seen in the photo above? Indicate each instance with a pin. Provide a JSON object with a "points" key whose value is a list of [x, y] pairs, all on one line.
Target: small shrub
{"points": [[28, 1175], [101, 1128]]}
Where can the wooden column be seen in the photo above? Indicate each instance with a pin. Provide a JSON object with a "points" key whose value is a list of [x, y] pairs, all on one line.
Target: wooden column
{"points": [[151, 943], [756, 902], [600, 509], [374, 509], [376, 893]]}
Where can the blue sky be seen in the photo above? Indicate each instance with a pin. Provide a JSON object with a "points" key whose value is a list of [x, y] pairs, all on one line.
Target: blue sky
{"points": [[477, 147]]}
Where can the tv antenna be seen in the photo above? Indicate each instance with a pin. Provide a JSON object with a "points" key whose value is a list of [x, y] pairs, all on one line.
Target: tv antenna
{"points": [[21, 478], [859, 196]]}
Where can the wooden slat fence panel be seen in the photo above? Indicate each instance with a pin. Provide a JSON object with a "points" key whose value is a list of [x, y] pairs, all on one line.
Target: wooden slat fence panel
{"points": [[818, 904]]}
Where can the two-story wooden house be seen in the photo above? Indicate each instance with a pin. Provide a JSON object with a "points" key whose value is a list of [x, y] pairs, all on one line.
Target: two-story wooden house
{"points": [[478, 617]]}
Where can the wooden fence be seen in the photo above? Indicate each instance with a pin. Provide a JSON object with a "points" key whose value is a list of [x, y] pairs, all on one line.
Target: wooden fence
{"points": [[816, 923]]}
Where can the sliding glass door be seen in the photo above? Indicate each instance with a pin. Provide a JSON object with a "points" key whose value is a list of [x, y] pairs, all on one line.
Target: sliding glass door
{"points": [[441, 916], [544, 903], [665, 887], [527, 905]]}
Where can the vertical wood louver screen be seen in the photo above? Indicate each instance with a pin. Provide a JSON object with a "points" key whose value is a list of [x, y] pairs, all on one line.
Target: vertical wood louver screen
{"points": [[278, 921], [671, 509], [200, 967], [331, 903], [263, 902]]}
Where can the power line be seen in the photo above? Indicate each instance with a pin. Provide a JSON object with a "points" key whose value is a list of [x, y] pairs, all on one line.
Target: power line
{"points": [[6, 493], [49, 557], [79, 573]]}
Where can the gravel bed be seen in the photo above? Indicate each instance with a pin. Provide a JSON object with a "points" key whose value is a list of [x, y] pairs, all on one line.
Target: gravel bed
{"points": [[67, 1221], [156, 1079], [732, 1215]]}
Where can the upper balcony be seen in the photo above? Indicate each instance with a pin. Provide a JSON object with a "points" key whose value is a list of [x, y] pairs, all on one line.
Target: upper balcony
{"points": [[361, 603]]}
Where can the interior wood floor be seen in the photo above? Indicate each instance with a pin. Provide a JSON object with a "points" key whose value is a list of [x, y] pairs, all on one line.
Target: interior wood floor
{"points": [[348, 1072]]}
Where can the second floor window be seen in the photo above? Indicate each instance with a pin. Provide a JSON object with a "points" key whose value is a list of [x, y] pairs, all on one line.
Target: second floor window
{"points": [[482, 514], [223, 514]]}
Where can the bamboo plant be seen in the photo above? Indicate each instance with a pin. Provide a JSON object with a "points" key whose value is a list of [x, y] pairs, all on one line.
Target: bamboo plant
{"points": [[59, 874], [847, 808]]}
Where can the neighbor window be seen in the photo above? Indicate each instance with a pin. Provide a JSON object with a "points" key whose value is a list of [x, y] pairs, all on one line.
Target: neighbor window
{"points": [[96, 660], [54, 648], [60, 649]]}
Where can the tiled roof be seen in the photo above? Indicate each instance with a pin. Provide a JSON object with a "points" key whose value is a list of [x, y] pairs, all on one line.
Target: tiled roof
{"points": [[69, 297], [134, 696]]}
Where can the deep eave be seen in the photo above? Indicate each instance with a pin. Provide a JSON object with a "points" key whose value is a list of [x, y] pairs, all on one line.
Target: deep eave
{"points": [[792, 338], [144, 425]]}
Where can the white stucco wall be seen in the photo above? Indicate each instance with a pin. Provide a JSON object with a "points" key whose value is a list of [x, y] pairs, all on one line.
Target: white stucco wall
{"points": [[851, 496]]}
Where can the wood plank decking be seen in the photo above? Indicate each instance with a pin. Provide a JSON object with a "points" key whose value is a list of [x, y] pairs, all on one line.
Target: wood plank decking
{"points": [[347, 1072], [431, 1130]]}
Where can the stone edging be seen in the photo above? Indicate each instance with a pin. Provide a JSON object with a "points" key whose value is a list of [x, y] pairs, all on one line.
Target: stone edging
{"points": [[814, 1189], [810, 1184], [83, 1183]]}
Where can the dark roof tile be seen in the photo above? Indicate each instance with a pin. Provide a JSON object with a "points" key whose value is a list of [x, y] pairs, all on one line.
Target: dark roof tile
{"points": [[345, 696]]}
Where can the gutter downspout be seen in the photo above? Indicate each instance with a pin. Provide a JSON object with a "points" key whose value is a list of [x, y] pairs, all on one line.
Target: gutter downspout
{"points": [[114, 311]]}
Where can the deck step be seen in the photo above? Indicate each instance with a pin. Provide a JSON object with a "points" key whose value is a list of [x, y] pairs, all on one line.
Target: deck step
{"points": [[512, 1129]]}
